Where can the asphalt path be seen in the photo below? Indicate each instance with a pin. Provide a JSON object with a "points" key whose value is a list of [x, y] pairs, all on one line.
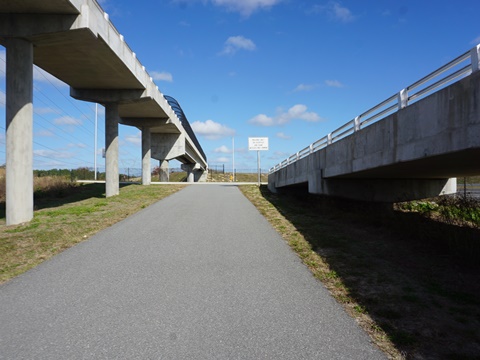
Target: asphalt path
{"points": [[198, 275]]}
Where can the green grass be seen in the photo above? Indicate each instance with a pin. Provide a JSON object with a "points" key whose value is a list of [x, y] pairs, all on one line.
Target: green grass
{"points": [[69, 217]]}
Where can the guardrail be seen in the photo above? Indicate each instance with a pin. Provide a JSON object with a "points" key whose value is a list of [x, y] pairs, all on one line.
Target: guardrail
{"points": [[431, 83]]}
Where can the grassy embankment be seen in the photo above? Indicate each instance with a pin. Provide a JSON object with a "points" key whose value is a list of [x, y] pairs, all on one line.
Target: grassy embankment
{"points": [[408, 274], [65, 214]]}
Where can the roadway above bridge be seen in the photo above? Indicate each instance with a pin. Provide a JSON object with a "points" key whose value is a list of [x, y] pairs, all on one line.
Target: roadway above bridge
{"points": [[74, 41]]}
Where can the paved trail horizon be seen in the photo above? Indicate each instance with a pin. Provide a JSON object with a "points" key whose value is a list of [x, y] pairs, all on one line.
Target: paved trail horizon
{"points": [[198, 275]]}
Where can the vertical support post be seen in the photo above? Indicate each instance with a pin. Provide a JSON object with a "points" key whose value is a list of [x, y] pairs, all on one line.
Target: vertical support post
{"points": [[357, 124], [258, 166], [19, 132], [233, 159], [190, 175], [163, 172], [329, 139], [95, 143], [402, 99], [112, 187], [146, 156], [475, 56]]}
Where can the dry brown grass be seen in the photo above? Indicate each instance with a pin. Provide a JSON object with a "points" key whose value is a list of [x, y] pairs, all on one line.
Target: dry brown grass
{"points": [[393, 272], [56, 186], [2, 184]]}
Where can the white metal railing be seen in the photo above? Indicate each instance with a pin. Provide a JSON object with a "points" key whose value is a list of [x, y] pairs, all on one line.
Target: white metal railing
{"points": [[447, 74]]}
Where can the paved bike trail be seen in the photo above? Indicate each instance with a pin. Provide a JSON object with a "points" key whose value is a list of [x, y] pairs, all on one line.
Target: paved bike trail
{"points": [[198, 275]]}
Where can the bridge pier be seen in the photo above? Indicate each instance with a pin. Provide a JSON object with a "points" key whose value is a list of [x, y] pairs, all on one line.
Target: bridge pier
{"points": [[189, 169], [146, 156], [111, 99], [112, 186], [19, 131], [163, 173]]}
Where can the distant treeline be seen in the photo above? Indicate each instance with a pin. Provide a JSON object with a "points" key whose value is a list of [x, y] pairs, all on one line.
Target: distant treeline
{"points": [[82, 173]]}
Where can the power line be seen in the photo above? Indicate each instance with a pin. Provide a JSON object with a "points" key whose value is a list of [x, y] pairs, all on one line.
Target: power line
{"points": [[56, 151], [60, 113], [66, 97], [55, 107]]}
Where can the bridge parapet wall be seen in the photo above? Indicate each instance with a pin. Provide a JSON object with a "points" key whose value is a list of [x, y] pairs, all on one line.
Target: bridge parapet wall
{"points": [[446, 122], [410, 154]]}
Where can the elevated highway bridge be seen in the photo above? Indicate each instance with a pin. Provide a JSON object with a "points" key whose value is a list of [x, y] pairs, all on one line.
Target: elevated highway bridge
{"points": [[75, 41], [413, 145]]}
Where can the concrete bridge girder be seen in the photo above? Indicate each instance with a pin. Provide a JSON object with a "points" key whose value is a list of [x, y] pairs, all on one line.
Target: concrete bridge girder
{"points": [[414, 153], [167, 146]]}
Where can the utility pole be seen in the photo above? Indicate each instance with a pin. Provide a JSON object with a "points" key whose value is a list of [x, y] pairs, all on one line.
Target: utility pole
{"points": [[95, 158], [233, 159]]}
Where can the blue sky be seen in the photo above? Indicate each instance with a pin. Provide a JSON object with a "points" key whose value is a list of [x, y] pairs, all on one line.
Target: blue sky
{"points": [[289, 70]]}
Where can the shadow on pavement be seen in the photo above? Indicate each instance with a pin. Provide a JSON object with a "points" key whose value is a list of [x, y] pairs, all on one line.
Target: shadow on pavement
{"points": [[415, 277]]}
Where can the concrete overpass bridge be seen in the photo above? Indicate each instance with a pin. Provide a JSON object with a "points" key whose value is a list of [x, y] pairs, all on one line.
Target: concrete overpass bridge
{"points": [[75, 41], [411, 146]]}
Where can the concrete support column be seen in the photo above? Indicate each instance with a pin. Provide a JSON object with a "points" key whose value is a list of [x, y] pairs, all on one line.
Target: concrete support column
{"points": [[190, 174], [112, 186], [163, 173], [146, 156], [19, 131]]}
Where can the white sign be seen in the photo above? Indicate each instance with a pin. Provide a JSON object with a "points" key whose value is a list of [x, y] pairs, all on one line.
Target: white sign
{"points": [[258, 143]]}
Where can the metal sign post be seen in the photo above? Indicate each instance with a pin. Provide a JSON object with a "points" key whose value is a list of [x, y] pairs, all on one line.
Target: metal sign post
{"points": [[258, 144]]}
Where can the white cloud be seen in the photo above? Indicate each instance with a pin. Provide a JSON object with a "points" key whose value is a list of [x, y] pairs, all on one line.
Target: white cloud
{"points": [[222, 159], [53, 154], [134, 139], [67, 120], [305, 87], [334, 83], [246, 7], [279, 155], [474, 41], [161, 76], [296, 112], [45, 133], [262, 120], [223, 150], [43, 110], [282, 135], [77, 145], [235, 43], [212, 130], [336, 11]]}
